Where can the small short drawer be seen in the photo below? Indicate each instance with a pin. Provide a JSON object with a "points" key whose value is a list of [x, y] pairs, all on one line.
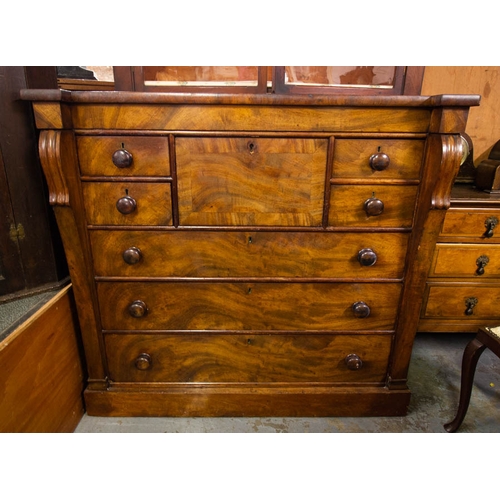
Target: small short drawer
{"points": [[378, 158], [132, 203], [203, 305], [466, 261], [123, 156], [242, 253], [372, 206], [480, 223], [465, 302], [247, 358]]}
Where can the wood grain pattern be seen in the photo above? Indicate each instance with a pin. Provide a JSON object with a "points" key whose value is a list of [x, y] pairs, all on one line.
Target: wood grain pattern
{"points": [[248, 306], [41, 380], [448, 301], [347, 206], [154, 204], [251, 181], [248, 358], [244, 253], [470, 223], [150, 155], [459, 261], [351, 158]]}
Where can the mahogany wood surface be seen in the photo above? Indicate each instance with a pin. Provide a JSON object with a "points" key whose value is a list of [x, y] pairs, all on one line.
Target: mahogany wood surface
{"points": [[250, 231]]}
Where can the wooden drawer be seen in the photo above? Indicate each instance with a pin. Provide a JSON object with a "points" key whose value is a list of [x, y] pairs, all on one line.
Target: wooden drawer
{"points": [[246, 306], [452, 301], [352, 158], [251, 181], [243, 253], [153, 203], [464, 261], [471, 223], [149, 156], [246, 358], [347, 205]]}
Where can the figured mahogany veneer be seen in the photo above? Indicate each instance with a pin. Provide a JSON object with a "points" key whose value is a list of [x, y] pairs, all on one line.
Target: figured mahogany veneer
{"points": [[246, 255]]}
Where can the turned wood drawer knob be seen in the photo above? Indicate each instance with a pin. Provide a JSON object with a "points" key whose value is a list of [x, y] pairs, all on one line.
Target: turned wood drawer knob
{"points": [[470, 303], [373, 206], [126, 205], [367, 257], [143, 361], [122, 158], [361, 309], [137, 309], [379, 161], [132, 255], [353, 362], [481, 263], [490, 224]]}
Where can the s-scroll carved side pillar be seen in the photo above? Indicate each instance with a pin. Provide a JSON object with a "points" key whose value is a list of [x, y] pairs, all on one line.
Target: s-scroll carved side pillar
{"points": [[57, 152], [441, 165]]}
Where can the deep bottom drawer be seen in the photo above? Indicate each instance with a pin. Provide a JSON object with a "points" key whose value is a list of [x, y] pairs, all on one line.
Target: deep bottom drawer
{"points": [[247, 358]]}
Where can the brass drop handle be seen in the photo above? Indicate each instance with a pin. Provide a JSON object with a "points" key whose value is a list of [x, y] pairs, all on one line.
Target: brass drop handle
{"points": [[367, 257], [126, 205], [132, 255], [122, 158], [481, 263], [353, 362], [373, 206], [143, 361], [361, 309], [490, 224], [379, 161], [470, 303], [138, 309]]}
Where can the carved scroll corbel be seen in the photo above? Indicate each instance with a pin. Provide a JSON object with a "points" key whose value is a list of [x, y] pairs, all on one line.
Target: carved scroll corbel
{"points": [[451, 153], [50, 157]]}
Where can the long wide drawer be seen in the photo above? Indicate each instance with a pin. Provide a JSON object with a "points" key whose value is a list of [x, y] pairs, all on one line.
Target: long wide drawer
{"points": [[466, 302], [242, 253], [458, 260], [247, 306], [247, 358]]}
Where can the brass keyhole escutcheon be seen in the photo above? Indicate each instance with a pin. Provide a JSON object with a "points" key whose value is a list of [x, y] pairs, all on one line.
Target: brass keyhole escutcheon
{"points": [[252, 147]]}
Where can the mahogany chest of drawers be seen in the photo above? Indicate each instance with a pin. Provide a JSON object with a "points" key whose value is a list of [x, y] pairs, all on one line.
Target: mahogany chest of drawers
{"points": [[463, 288], [248, 255]]}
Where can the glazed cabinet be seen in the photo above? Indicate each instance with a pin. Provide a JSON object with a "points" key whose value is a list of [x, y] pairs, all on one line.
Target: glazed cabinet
{"points": [[248, 255]]}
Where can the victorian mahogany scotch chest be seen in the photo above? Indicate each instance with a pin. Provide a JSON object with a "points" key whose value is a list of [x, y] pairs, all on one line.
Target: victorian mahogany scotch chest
{"points": [[248, 255]]}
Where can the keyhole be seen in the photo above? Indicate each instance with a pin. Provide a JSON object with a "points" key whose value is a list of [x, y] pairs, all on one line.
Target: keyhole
{"points": [[252, 148], [249, 291], [249, 240]]}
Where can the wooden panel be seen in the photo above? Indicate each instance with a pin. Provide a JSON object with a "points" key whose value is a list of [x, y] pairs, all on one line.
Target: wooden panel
{"points": [[247, 306], [41, 380], [351, 158], [347, 205], [154, 205], [483, 123], [150, 155], [460, 261], [470, 223], [251, 181], [244, 118], [248, 358], [450, 301], [243, 253]]}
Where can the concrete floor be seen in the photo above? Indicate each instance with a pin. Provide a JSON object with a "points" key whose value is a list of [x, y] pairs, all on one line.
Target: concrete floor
{"points": [[434, 379]]}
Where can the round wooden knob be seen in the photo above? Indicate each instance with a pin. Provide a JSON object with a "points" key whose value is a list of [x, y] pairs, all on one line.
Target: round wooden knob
{"points": [[353, 362], [360, 309], [367, 257], [122, 158], [143, 361], [137, 309], [379, 161], [132, 255], [373, 207], [126, 205]]}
